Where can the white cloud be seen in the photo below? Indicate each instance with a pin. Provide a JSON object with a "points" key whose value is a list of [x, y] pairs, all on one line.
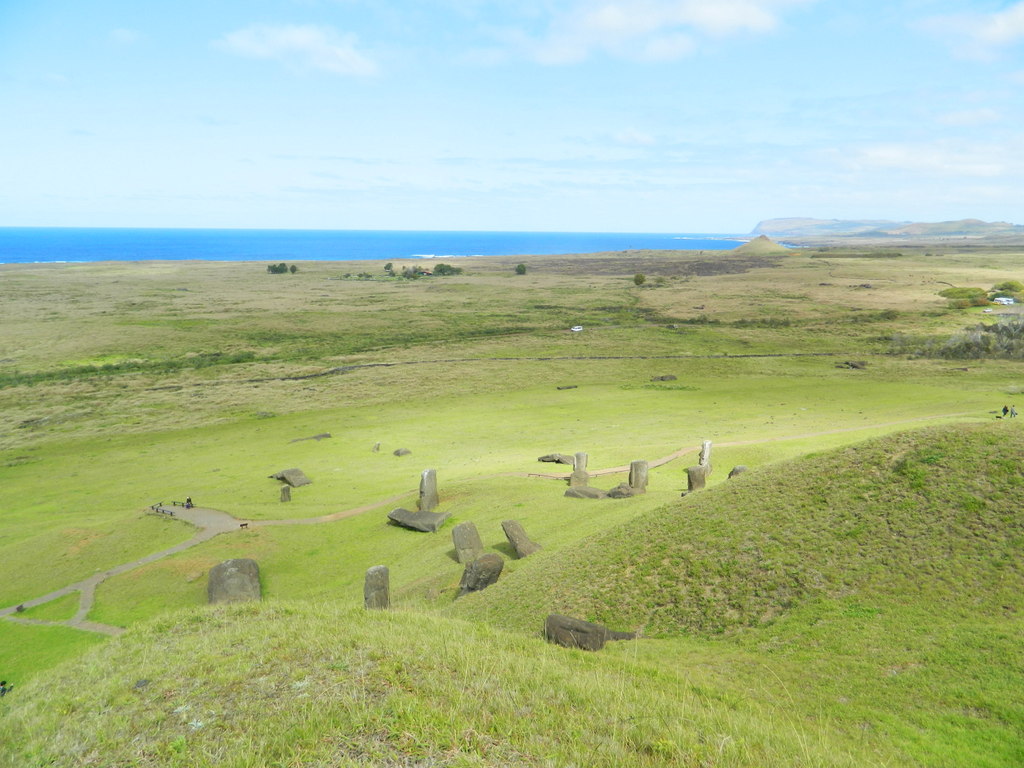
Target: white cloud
{"points": [[948, 159], [651, 29], [300, 46], [980, 35], [970, 117], [125, 36]]}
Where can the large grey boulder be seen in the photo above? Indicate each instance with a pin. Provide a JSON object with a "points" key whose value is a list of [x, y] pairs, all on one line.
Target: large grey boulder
{"points": [[427, 522], [466, 539], [377, 588], [481, 573], [696, 478], [577, 633], [234, 581], [585, 492], [428, 491], [294, 477], [521, 543], [557, 458], [624, 491]]}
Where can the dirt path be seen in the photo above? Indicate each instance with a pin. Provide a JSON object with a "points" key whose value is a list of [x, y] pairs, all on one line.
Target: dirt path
{"points": [[213, 522]]}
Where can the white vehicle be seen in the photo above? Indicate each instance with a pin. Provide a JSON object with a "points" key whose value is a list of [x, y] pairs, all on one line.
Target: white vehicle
{"points": [[576, 328], [1004, 300]]}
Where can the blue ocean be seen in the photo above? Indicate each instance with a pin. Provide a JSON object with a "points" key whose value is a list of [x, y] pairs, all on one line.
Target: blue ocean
{"points": [[20, 245]]}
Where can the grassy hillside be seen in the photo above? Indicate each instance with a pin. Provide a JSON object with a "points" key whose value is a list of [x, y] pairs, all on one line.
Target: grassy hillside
{"points": [[860, 607]]}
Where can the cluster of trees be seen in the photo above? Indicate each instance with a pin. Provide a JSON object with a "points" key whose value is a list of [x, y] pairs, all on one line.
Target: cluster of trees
{"points": [[960, 298], [411, 273], [282, 268], [1004, 340]]}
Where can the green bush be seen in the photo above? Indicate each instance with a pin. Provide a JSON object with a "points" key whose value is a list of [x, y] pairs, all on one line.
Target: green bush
{"points": [[639, 278], [520, 269], [447, 269]]}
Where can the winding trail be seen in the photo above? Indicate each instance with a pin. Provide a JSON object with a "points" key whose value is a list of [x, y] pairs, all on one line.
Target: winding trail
{"points": [[213, 522]]}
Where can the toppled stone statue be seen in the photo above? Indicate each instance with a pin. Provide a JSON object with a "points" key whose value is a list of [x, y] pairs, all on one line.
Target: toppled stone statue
{"points": [[234, 581], [585, 492], [428, 491], [481, 573], [668, 377], [576, 633], [466, 539], [739, 469], [377, 589], [401, 452], [294, 477], [427, 522], [521, 543], [557, 458]]}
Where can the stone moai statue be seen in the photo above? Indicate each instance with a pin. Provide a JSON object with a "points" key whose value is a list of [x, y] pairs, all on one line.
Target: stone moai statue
{"points": [[466, 539], [377, 589], [428, 491], [705, 456], [696, 478], [286, 493], [739, 469], [638, 476], [521, 543], [481, 573], [234, 581], [376, 448], [579, 476]]}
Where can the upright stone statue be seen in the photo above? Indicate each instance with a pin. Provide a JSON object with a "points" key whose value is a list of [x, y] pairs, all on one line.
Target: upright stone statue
{"points": [[428, 490], [466, 539], [695, 478], [521, 543], [286, 493], [705, 457], [234, 581], [579, 476], [377, 589], [638, 476]]}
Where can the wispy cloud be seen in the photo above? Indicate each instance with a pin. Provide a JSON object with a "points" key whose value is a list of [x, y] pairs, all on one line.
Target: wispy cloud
{"points": [[125, 36], [649, 29], [949, 159], [301, 47], [980, 35]]}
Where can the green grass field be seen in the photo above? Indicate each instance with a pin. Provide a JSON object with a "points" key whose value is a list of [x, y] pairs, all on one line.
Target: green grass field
{"points": [[853, 599]]}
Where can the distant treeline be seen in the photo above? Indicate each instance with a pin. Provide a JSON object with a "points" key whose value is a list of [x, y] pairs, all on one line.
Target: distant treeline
{"points": [[1004, 341]]}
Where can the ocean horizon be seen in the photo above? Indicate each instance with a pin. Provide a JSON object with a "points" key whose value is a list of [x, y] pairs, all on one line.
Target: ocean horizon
{"points": [[36, 245]]}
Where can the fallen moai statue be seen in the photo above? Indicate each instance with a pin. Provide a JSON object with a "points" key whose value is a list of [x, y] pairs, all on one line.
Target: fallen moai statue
{"points": [[401, 452], [294, 477], [234, 581], [427, 522], [576, 633], [557, 458], [521, 543], [481, 573], [585, 492], [739, 469]]}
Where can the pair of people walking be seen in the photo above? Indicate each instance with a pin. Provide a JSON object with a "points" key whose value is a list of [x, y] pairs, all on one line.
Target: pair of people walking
{"points": [[1011, 410]]}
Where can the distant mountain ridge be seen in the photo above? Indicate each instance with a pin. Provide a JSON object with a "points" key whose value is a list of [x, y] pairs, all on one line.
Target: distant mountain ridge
{"points": [[881, 229]]}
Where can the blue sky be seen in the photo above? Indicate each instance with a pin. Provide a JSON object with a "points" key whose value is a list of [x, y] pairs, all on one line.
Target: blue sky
{"points": [[573, 115]]}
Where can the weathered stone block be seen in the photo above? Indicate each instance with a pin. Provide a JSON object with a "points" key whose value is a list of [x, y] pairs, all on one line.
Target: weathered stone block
{"points": [[521, 543], [428, 491], [576, 633], [695, 478], [234, 581], [377, 588], [428, 522], [466, 539], [294, 477], [481, 573]]}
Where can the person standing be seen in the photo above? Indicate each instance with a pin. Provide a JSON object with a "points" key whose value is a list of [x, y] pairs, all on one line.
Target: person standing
{"points": [[4, 688], [1013, 411]]}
